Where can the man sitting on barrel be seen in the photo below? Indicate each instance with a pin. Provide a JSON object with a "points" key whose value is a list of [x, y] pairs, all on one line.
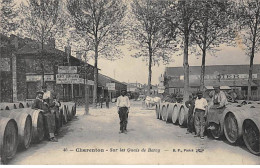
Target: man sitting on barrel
{"points": [[218, 104], [49, 118], [219, 98]]}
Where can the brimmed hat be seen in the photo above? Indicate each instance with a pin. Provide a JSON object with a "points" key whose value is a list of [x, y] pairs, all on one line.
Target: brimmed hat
{"points": [[39, 92], [123, 90], [199, 93], [216, 86]]}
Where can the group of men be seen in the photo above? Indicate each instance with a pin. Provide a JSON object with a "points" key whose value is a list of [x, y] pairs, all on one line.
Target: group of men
{"points": [[198, 110], [50, 107]]}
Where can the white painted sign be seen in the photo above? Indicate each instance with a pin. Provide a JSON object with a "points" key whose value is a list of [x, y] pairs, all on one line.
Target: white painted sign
{"points": [[111, 86], [67, 69], [221, 76], [67, 75], [35, 78]]}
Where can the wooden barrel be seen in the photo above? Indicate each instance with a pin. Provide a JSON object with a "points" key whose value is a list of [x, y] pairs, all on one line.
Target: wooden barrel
{"points": [[183, 115], [160, 111], [38, 129], [21, 105], [251, 137], [8, 138], [175, 114], [233, 122], [164, 111], [4, 106], [24, 123], [169, 112]]}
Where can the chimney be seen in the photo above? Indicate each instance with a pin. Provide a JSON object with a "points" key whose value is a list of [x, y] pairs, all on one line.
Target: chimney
{"points": [[14, 41], [52, 43], [68, 53], [78, 55]]}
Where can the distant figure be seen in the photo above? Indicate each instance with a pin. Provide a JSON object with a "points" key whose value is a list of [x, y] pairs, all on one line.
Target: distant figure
{"points": [[200, 114], [49, 119], [123, 105], [101, 101], [190, 104], [107, 102]]}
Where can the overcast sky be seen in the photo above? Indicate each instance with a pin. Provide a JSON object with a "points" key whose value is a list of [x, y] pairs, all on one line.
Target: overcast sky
{"points": [[134, 69]]}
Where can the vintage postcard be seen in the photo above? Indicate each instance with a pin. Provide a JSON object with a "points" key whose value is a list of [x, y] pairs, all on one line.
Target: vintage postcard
{"points": [[130, 82]]}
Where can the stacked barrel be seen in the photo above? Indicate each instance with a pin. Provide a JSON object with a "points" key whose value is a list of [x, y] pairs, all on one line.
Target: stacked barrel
{"points": [[20, 126], [236, 122]]}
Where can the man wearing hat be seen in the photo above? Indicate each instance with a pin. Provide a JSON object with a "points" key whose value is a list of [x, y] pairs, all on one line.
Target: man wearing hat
{"points": [[49, 119], [123, 105], [200, 114], [219, 98]]}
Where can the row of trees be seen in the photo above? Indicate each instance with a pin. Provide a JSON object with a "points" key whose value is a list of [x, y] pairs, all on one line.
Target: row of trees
{"points": [[155, 29]]}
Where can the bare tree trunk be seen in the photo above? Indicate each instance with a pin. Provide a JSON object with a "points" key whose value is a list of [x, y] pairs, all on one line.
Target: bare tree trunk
{"points": [[150, 72], [95, 78], [86, 91], [202, 75], [250, 78], [186, 64]]}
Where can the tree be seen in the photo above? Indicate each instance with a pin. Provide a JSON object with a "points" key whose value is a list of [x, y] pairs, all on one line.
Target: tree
{"points": [[214, 26], [100, 21], [248, 18], [149, 34], [42, 20], [183, 14], [9, 14]]}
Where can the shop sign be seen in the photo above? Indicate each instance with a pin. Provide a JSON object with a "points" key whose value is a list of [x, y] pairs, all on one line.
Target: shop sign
{"points": [[111, 86], [220, 77], [35, 78], [67, 69]]}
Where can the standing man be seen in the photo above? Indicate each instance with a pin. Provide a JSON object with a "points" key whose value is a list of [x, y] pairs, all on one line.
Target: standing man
{"points": [[190, 104], [46, 94], [49, 119], [123, 105], [200, 114]]}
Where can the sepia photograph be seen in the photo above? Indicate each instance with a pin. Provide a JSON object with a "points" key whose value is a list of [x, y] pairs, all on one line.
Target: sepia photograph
{"points": [[130, 82]]}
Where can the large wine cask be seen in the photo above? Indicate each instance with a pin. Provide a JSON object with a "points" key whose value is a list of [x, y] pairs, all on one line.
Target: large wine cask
{"points": [[234, 119], [164, 111], [38, 129], [183, 115], [251, 131], [169, 112], [4, 106], [24, 123], [8, 138], [175, 114]]}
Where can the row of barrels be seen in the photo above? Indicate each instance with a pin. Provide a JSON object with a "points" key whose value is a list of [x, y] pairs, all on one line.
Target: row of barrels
{"points": [[23, 126], [236, 122]]}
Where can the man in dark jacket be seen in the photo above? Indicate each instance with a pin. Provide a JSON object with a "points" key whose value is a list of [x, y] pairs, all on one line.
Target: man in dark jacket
{"points": [[190, 104], [49, 119]]}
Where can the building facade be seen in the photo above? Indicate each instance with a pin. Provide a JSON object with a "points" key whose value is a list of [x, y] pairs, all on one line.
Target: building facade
{"points": [[227, 76]]}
